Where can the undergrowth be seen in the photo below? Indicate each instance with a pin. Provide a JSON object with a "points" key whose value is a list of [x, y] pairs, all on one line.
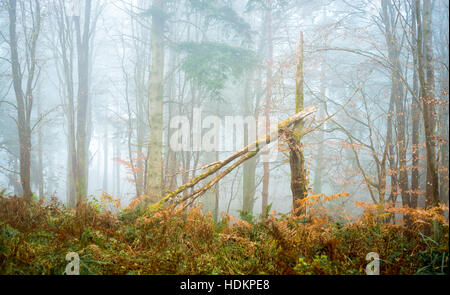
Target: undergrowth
{"points": [[36, 236]]}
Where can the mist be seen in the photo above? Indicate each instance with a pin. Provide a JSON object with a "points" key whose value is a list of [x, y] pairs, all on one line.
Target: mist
{"points": [[138, 100]]}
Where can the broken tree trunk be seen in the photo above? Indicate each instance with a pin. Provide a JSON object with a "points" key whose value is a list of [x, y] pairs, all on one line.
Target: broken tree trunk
{"points": [[296, 157], [244, 154]]}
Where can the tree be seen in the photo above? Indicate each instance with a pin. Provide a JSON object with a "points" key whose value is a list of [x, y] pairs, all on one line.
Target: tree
{"points": [[154, 174], [75, 34], [296, 158], [425, 70], [267, 101], [415, 116], [249, 167], [82, 147], [392, 43], [29, 73]]}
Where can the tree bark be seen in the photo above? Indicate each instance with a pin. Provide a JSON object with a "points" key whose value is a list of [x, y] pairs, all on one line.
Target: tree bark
{"points": [[24, 100], [296, 158], [269, 82], [425, 61], [444, 136], [40, 152], [83, 102], [397, 92], [415, 115], [249, 167], [154, 174], [318, 171]]}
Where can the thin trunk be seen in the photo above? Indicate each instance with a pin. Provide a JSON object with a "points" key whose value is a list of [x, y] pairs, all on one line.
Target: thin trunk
{"points": [[216, 203], [317, 186], [391, 152], [65, 37], [397, 92], [444, 118], [105, 158], [415, 115], [248, 175], [141, 40], [71, 190], [140, 134], [40, 153], [171, 161], [444, 133], [24, 100], [117, 165], [17, 187], [269, 86], [50, 190]]}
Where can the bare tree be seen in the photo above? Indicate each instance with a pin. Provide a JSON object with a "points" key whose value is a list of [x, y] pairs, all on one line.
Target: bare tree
{"points": [[27, 73]]}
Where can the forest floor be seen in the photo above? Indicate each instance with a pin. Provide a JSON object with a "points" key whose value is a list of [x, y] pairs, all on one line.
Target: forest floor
{"points": [[36, 236]]}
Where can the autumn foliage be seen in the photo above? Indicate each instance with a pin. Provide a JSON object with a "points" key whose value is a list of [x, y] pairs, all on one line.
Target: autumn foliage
{"points": [[36, 236]]}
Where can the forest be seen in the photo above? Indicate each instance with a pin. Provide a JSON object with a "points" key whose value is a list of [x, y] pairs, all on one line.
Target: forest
{"points": [[224, 137]]}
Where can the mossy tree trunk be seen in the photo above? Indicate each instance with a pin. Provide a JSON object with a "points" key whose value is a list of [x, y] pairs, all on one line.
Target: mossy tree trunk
{"points": [[296, 158]]}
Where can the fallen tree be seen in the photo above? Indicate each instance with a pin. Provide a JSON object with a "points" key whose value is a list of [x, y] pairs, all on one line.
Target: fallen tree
{"points": [[249, 151]]}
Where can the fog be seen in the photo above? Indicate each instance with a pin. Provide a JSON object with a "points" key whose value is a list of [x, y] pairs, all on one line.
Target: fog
{"points": [[112, 81]]}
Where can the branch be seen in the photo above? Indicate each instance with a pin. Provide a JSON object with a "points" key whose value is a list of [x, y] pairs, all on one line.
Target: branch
{"points": [[246, 153], [42, 116], [6, 169]]}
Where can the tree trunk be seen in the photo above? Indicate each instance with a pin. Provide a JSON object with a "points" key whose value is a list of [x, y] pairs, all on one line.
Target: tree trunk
{"points": [[444, 118], [71, 176], [415, 115], [171, 160], [154, 174], [64, 27], [249, 167], [117, 164], [40, 153], [425, 60], [296, 158], [269, 85], [83, 103], [391, 152], [216, 203], [105, 156], [317, 185], [444, 133], [24, 101], [397, 92]]}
